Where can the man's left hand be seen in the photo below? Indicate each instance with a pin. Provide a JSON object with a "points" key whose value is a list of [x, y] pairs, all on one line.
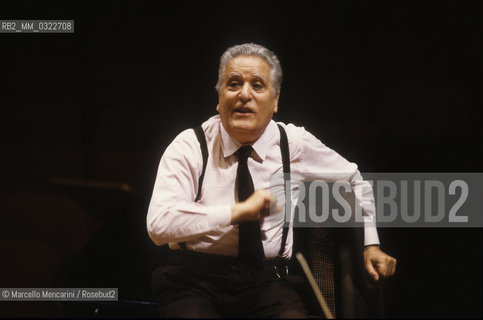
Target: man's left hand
{"points": [[378, 264]]}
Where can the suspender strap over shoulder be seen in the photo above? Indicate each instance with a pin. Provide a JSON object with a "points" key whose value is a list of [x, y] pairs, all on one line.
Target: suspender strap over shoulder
{"points": [[286, 175], [200, 134]]}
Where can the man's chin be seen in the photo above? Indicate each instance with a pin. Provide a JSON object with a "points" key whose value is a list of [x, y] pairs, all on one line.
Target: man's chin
{"points": [[243, 132], [246, 125]]}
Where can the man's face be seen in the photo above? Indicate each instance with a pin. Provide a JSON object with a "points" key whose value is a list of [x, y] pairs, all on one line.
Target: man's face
{"points": [[246, 100]]}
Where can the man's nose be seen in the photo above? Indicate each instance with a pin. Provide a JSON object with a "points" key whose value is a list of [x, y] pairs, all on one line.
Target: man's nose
{"points": [[246, 94]]}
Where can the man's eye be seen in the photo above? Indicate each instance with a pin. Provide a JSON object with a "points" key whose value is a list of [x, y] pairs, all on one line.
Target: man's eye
{"points": [[233, 84], [257, 86]]}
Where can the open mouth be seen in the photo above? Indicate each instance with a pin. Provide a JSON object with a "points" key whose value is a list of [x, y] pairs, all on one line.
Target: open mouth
{"points": [[243, 110]]}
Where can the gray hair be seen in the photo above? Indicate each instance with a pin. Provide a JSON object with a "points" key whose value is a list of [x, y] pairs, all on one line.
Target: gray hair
{"points": [[252, 49]]}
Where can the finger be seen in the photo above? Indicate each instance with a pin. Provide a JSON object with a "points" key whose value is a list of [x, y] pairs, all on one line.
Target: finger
{"points": [[265, 211], [382, 269], [393, 267], [268, 202], [372, 272]]}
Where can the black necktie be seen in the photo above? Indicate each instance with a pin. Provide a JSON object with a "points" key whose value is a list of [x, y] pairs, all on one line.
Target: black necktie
{"points": [[250, 248]]}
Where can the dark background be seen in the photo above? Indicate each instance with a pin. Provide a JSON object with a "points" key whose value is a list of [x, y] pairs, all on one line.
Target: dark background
{"points": [[392, 86]]}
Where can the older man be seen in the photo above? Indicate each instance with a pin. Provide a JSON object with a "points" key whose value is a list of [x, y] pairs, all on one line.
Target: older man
{"points": [[228, 245]]}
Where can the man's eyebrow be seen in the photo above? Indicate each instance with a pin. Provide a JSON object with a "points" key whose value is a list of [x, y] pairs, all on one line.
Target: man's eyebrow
{"points": [[233, 75], [239, 75], [261, 77]]}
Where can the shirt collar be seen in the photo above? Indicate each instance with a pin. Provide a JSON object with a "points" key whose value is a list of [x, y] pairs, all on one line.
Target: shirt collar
{"points": [[229, 145]]}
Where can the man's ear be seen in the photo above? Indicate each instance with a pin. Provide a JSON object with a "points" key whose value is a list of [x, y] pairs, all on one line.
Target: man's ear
{"points": [[218, 108], [275, 108]]}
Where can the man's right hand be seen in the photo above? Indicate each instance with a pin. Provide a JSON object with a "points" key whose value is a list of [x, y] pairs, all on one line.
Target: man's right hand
{"points": [[253, 208]]}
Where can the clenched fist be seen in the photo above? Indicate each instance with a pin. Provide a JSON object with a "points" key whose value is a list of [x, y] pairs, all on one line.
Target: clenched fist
{"points": [[378, 264], [253, 208]]}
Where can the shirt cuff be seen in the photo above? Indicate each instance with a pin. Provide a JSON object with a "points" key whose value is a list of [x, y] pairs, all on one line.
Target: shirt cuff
{"points": [[220, 215], [370, 236]]}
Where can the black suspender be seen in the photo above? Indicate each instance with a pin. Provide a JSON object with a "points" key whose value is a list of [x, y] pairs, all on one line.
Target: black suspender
{"points": [[286, 175], [200, 135]]}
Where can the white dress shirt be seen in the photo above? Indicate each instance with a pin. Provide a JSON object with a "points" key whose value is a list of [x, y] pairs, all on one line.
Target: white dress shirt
{"points": [[174, 217]]}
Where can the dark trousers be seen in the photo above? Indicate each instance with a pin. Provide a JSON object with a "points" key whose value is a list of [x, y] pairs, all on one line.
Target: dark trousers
{"points": [[196, 285]]}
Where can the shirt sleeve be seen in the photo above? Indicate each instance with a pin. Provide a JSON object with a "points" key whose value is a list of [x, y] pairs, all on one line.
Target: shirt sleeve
{"points": [[312, 160], [173, 215]]}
